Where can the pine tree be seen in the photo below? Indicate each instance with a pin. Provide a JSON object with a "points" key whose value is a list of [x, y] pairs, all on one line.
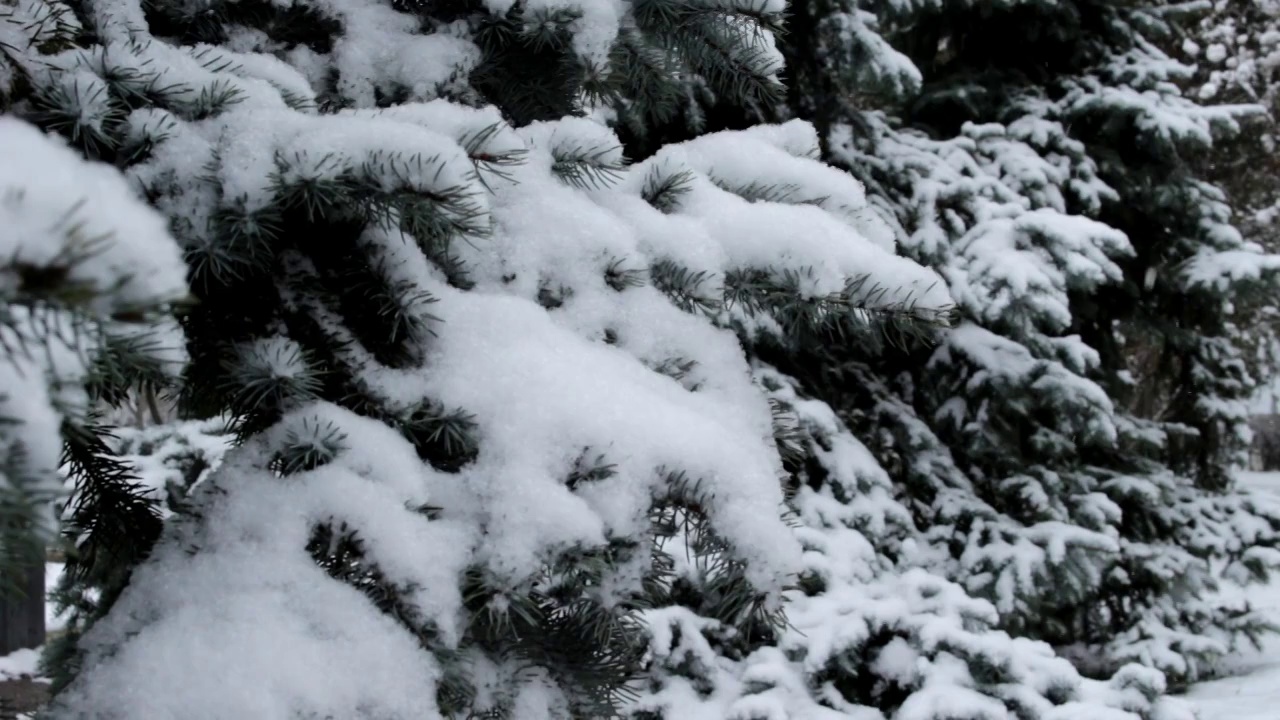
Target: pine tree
{"points": [[517, 416], [460, 477], [161, 465], [90, 276], [535, 57], [1235, 49], [1036, 155]]}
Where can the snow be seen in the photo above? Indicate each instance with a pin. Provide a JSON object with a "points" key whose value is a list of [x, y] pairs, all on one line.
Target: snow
{"points": [[25, 663], [595, 29], [591, 395], [252, 144], [63, 215], [39, 211], [540, 384], [749, 232], [1251, 689], [163, 457], [1254, 692], [19, 664], [1224, 269], [1002, 264], [547, 382], [240, 602]]}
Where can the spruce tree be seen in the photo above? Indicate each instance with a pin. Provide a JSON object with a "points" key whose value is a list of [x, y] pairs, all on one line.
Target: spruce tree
{"points": [[528, 431], [159, 465], [1234, 47], [533, 56], [1069, 445], [454, 351], [88, 279]]}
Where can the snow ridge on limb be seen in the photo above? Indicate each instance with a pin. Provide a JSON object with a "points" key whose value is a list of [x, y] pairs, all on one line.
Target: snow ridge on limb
{"points": [[88, 277]]}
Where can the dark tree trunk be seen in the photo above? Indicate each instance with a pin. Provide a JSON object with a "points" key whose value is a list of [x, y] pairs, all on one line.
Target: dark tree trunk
{"points": [[22, 613], [1266, 441]]}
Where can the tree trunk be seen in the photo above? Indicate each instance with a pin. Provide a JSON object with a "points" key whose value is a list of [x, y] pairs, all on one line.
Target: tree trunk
{"points": [[22, 614]]}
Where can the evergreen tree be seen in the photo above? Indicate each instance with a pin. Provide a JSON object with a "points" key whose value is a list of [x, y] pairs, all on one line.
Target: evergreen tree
{"points": [[448, 499], [1036, 155], [161, 465], [88, 275], [1235, 49], [545, 59], [528, 431]]}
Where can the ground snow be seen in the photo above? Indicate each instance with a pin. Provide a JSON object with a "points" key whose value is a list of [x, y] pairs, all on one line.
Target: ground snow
{"points": [[25, 663], [1253, 689]]}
